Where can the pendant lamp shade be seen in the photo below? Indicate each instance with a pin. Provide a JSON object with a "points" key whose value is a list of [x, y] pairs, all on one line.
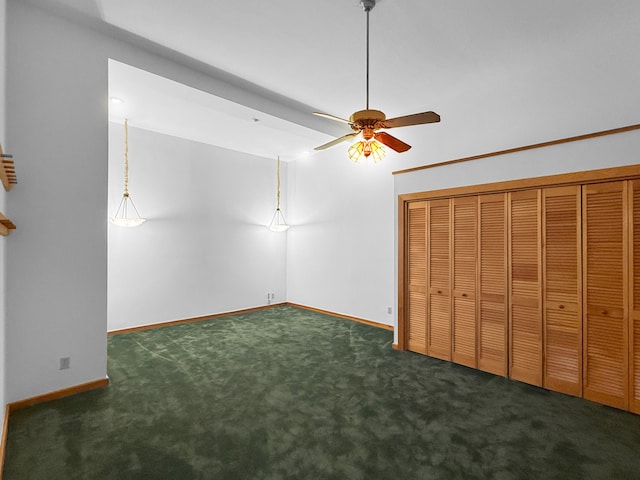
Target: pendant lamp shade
{"points": [[127, 214], [278, 222]]}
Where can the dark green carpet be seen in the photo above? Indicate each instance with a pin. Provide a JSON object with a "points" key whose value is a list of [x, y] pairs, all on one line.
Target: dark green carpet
{"points": [[287, 393]]}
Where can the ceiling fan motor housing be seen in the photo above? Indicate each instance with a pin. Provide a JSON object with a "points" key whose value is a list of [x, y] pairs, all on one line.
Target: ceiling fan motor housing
{"points": [[367, 120]]}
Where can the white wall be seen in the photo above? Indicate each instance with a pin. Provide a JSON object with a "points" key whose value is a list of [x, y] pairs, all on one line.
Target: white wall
{"points": [[205, 247], [57, 257], [340, 250], [576, 87], [591, 154]]}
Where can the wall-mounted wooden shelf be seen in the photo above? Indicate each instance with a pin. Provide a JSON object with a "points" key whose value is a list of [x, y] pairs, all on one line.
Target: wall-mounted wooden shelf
{"points": [[7, 170]]}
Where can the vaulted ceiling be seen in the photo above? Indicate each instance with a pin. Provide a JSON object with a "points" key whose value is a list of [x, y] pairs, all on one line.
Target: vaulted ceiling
{"points": [[424, 53]]}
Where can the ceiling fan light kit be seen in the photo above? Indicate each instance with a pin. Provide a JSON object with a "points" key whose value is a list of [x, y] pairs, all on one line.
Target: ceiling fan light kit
{"points": [[368, 149], [367, 123]]}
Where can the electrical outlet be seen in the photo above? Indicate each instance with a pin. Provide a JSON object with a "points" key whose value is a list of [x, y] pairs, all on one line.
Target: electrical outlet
{"points": [[65, 363], [389, 310]]}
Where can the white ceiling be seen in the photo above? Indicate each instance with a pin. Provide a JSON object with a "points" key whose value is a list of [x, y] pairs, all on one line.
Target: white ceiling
{"points": [[312, 52], [161, 105]]}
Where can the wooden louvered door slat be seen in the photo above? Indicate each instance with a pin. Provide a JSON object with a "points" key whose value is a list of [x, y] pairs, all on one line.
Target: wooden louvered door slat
{"points": [[524, 280], [416, 334], [492, 284], [634, 280], [438, 280], [605, 280], [562, 287], [464, 212]]}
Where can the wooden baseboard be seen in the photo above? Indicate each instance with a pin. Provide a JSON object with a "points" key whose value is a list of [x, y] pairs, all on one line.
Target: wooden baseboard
{"points": [[193, 319], [395, 346], [247, 310], [65, 392], [346, 317]]}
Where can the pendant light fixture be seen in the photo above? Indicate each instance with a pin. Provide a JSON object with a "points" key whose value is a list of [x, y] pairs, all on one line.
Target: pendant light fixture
{"points": [[127, 214], [278, 222]]}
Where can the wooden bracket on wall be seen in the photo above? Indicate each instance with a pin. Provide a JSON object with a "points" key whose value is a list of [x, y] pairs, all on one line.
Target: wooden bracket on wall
{"points": [[6, 225], [7, 170]]}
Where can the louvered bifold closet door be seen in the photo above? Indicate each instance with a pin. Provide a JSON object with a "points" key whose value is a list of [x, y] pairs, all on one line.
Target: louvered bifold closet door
{"points": [[525, 287], [562, 287], [438, 280], [417, 277], [464, 236], [634, 277], [605, 270], [492, 284]]}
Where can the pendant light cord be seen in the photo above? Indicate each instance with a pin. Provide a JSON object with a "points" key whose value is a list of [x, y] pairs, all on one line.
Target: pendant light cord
{"points": [[126, 157], [278, 196]]}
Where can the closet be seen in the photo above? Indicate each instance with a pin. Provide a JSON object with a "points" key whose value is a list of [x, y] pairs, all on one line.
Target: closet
{"points": [[537, 283]]}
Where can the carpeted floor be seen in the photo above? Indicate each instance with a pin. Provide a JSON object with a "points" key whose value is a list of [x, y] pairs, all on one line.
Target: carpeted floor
{"points": [[285, 393]]}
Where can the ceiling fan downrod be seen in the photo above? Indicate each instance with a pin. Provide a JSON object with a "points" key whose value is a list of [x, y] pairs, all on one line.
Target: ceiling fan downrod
{"points": [[367, 6]]}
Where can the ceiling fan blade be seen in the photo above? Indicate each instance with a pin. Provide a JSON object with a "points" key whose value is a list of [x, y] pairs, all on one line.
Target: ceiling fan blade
{"points": [[392, 142], [337, 141], [332, 117], [407, 120]]}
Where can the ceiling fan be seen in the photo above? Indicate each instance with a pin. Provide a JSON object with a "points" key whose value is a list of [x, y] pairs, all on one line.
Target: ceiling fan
{"points": [[368, 122]]}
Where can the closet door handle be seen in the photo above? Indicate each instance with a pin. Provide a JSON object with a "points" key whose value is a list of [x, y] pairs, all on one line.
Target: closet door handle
{"points": [[604, 312], [464, 294], [439, 291], [561, 306]]}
